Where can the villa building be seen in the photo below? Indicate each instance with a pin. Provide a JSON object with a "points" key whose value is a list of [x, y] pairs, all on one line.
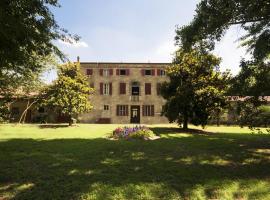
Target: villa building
{"points": [[125, 92]]}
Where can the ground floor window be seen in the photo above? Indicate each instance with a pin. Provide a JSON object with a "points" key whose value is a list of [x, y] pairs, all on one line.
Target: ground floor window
{"points": [[148, 110], [106, 107], [122, 110]]}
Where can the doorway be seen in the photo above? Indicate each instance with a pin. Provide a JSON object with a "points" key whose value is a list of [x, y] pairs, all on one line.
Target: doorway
{"points": [[135, 114]]}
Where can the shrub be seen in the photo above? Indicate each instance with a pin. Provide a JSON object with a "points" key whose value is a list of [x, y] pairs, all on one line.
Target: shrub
{"points": [[136, 132]]}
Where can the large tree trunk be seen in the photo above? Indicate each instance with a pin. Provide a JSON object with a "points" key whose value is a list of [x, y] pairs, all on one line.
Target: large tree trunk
{"points": [[70, 123], [185, 123]]}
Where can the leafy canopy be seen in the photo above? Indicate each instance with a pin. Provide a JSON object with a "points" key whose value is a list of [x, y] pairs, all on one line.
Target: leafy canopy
{"points": [[70, 92], [196, 87], [28, 32], [214, 17]]}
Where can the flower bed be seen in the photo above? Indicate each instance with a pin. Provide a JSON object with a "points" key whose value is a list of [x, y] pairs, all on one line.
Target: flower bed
{"points": [[136, 132]]}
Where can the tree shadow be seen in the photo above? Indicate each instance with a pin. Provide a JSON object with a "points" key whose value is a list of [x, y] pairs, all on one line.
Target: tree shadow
{"points": [[103, 169], [173, 130], [53, 126]]}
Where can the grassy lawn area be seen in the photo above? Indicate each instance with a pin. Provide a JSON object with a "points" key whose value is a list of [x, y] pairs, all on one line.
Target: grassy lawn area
{"points": [[57, 162]]}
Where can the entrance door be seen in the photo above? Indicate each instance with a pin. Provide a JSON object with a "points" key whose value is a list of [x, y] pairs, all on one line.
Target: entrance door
{"points": [[135, 114]]}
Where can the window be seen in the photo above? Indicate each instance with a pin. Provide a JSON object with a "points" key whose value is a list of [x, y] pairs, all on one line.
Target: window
{"points": [[89, 72], [122, 88], [41, 110], [106, 89], [148, 110], [162, 72], [122, 110], [106, 107], [106, 72], [147, 72], [147, 88], [92, 85], [123, 72]]}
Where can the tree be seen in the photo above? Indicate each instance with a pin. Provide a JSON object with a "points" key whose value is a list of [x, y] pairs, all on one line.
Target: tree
{"points": [[196, 88], [28, 32], [214, 17], [69, 93]]}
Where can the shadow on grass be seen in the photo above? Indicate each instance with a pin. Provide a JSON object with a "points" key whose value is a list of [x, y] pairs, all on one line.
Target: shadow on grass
{"points": [[163, 168], [172, 130], [53, 126]]}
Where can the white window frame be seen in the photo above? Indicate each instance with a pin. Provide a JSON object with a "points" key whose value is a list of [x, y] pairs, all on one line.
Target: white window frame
{"points": [[106, 89], [122, 110], [106, 72]]}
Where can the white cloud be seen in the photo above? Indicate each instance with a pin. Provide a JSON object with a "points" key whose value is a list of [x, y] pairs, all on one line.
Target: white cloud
{"points": [[73, 43]]}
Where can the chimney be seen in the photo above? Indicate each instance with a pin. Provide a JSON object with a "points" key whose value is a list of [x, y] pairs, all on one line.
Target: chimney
{"points": [[78, 58]]}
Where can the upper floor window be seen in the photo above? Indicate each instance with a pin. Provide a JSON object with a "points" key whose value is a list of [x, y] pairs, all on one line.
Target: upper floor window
{"points": [[122, 72], [105, 72], [122, 88], [89, 72], [147, 88], [162, 72], [148, 72], [106, 88]]}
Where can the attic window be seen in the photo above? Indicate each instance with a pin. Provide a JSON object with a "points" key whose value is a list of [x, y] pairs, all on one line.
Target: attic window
{"points": [[123, 72], [147, 72]]}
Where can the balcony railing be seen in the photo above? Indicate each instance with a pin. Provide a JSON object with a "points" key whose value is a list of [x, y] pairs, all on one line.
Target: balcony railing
{"points": [[135, 98]]}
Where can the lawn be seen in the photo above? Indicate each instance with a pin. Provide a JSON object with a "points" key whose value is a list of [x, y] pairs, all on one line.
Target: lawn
{"points": [[58, 162]]}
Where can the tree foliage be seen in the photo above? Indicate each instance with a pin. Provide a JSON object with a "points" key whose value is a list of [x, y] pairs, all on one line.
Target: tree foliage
{"points": [[28, 32], [196, 88], [70, 92], [214, 17]]}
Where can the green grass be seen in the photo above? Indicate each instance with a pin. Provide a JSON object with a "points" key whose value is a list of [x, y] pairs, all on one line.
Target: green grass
{"points": [[81, 163]]}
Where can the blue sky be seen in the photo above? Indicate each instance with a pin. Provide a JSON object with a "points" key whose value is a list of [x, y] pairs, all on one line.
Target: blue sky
{"points": [[134, 30]]}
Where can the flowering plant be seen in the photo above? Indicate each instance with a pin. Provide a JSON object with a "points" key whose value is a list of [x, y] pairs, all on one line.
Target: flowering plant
{"points": [[136, 132]]}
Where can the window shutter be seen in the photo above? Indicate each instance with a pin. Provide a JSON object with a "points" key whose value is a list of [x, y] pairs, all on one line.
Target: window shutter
{"points": [[126, 110], [147, 88], [127, 72], [101, 88], [117, 110], [152, 110], [158, 72], [143, 110], [101, 72], [111, 72], [110, 89], [158, 88], [142, 71], [122, 88], [117, 72], [153, 72]]}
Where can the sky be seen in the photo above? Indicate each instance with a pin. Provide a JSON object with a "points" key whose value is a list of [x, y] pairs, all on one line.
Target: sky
{"points": [[133, 31]]}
